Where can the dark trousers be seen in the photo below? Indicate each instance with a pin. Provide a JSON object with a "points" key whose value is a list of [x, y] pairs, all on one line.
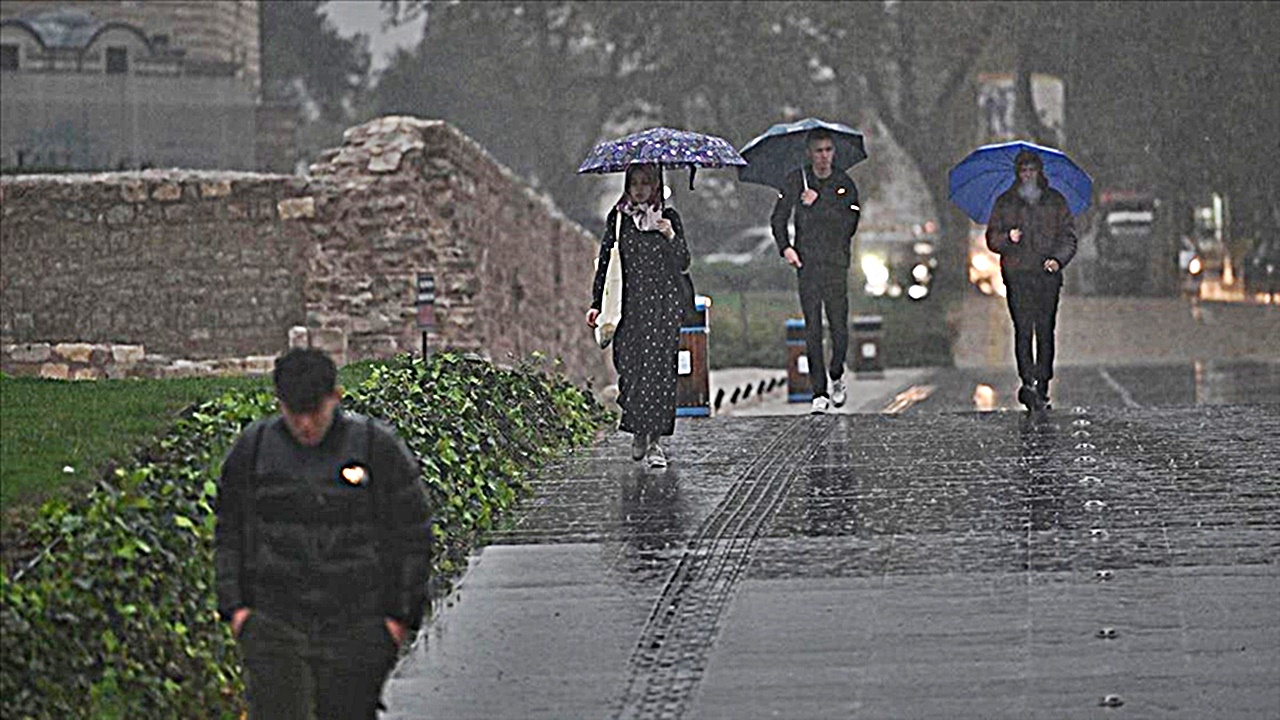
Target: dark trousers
{"points": [[1033, 305], [324, 671], [824, 286]]}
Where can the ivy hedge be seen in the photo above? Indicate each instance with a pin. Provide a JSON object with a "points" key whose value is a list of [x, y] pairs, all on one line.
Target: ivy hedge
{"points": [[117, 618]]}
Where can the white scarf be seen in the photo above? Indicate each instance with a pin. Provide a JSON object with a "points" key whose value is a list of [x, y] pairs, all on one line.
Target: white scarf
{"points": [[645, 215]]}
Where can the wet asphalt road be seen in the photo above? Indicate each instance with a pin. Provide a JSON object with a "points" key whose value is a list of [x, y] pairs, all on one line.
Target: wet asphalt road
{"points": [[1118, 556]]}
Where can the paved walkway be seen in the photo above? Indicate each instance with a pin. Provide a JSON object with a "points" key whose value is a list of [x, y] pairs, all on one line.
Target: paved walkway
{"points": [[1118, 557], [945, 565]]}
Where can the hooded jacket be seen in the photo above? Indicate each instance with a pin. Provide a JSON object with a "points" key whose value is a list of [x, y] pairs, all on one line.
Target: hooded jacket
{"points": [[338, 530], [1048, 229]]}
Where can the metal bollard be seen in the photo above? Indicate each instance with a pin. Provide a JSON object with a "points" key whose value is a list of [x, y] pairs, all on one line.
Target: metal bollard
{"points": [[693, 381], [799, 389], [866, 341]]}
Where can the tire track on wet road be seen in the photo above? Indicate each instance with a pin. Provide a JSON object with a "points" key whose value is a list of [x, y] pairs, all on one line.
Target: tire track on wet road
{"points": [[670, 655]]}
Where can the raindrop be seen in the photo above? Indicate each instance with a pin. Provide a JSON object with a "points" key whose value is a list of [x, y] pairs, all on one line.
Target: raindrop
{"points": [[1108, 633], [1086, 446], [1090, 480], [1103, 575], [1099, 533], [1111, 701], [1087, 459], [1081, 434], [1081, 422], [1080, 410], [1094, 505]]}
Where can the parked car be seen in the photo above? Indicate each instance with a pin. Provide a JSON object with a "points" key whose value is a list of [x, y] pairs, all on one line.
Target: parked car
{"points": [[1262, 267]]}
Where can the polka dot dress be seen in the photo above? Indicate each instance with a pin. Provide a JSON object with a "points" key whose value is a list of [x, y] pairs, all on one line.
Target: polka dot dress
{"points": [[648, 337]]}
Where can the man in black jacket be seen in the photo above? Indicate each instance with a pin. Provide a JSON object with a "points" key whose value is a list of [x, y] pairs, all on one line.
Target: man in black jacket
{"points": [[1032, 230], [826, 209], [322, 549]]}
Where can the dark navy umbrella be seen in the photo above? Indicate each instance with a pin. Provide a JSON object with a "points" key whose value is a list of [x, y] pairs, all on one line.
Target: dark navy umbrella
{"points": [[975, 182], [782, 148], [662, 146]]}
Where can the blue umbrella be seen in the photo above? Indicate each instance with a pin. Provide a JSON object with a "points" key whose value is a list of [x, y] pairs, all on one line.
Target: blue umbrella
{"points": [[662, 146], [976, 182], [781, 149]]}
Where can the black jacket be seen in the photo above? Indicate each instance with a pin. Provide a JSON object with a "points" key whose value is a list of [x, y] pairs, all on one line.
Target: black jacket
{"points": [[824, 230], [1048, 230], [299, 538]]}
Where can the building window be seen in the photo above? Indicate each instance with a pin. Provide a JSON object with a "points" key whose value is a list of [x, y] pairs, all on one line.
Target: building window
{"points": [[8, 57], [117, 60]]}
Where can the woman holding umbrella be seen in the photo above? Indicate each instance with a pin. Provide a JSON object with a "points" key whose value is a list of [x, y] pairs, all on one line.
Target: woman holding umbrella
{"points": [[651, 244]]}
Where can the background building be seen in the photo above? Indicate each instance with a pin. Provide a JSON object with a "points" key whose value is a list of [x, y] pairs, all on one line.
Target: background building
{"points": [[124, 84]]}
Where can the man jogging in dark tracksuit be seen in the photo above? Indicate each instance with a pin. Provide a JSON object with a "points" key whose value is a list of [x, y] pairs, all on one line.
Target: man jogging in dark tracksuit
{"points": [[322, 550], [826, 216], [1032, 230]]}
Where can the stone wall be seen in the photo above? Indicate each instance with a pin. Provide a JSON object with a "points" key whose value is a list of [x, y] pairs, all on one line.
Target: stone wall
{"points": [[404, 195], [201, 266], [191, 264]]}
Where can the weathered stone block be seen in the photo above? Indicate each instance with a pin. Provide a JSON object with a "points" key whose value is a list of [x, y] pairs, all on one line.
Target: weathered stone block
{"points": [[119, 214], [128, 354], [31, 353], [55, 371], [133, 192], [88, 373], [292, 208], [332, 341], [259, 364], [167, 192], [74, 352], [216, 189]]}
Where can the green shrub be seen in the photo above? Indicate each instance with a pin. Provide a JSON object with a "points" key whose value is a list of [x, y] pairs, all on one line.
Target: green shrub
{"points": [[118, 619]]}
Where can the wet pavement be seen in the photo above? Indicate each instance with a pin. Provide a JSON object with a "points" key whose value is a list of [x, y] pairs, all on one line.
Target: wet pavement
{"points": [[930, 551], [1115, 557]]}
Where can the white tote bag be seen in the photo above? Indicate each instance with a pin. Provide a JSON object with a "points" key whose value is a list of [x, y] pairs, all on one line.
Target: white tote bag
{"points": [[611, 301]]}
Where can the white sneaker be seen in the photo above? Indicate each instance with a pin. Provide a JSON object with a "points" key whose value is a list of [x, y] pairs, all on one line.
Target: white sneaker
{"points": [[838, 394], [820, 406], [655, 456]]}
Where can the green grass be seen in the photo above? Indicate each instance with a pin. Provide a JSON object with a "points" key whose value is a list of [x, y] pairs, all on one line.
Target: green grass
{"points": [[49, 425], [915, 334]]}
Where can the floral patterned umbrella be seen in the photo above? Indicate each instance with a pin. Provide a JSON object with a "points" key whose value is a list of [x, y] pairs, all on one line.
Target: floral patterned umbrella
{"points": [[662, 146]]}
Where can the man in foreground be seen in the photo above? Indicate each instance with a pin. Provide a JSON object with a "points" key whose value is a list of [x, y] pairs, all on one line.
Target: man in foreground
{"points": [[322, 549]]}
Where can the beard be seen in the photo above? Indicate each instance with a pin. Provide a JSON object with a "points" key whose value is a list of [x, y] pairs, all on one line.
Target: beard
{"points": [[1030, 191]]}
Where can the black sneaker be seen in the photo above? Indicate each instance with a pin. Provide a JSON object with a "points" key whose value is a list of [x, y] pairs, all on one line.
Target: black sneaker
{"points": [[1028, 396], [1042, 394]]}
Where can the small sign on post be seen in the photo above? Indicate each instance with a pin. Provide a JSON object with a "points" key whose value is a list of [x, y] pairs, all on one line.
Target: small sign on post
{"points": [[426, 303]]}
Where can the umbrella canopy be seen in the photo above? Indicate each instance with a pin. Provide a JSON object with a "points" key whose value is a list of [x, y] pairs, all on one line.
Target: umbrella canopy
{"points": [[975, 182], [782, 148], [662, 146]]}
